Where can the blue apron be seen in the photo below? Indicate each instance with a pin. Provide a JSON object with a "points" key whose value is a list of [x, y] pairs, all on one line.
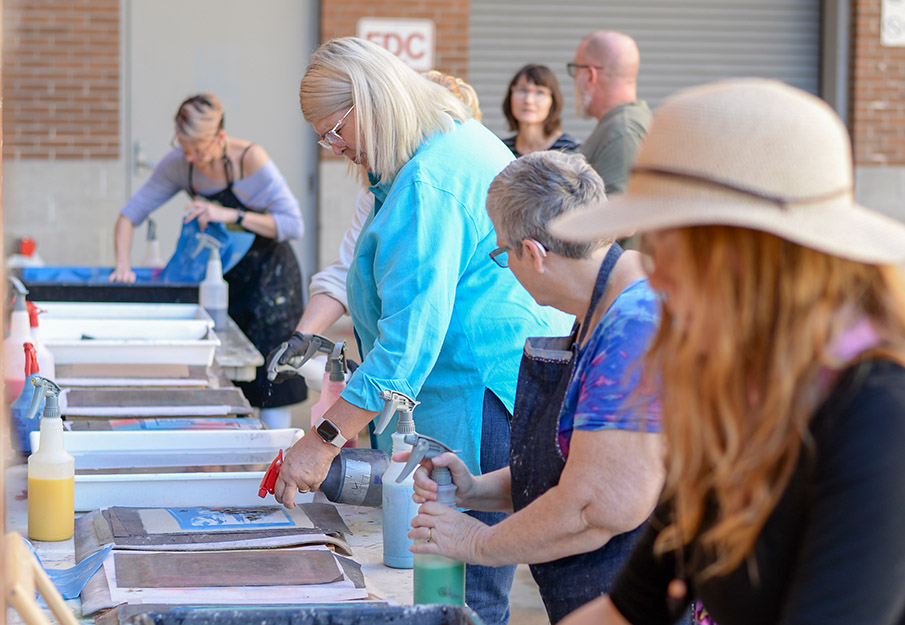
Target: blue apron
{"points": [[536, 461]]}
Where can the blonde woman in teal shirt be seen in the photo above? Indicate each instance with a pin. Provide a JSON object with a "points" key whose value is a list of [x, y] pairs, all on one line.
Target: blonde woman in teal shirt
{"points": [[434, 317]]}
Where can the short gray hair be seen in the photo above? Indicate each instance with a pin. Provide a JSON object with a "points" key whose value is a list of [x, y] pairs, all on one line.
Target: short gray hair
{"points": [[535, 189]]}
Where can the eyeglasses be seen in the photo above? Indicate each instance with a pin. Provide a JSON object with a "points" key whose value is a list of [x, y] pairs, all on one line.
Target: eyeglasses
{"points": [[500, 256], [197, 152], [537, 94], [572, 68], [331, 137]]}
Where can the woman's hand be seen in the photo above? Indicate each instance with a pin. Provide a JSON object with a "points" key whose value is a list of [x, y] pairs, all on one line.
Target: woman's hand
{"points": [[452, 533], [206, 213], [122, 274], [426, 488], [305, 466]]}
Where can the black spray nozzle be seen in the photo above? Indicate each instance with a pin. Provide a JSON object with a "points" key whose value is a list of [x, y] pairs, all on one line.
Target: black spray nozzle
{"points": [[336, 362], [152, 231], [426, 447], [50, 390], [393, 402]]}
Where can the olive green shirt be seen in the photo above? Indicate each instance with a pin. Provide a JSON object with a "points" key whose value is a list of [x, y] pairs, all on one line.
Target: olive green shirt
{"points": [[612, 147]]}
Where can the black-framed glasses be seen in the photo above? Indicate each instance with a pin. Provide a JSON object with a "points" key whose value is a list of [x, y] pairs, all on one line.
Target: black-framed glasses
{"points": [[500, 256], [331, 137], [197, 152], [572, 68]]}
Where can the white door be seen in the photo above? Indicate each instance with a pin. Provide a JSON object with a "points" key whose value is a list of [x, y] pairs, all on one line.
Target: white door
{"points": [[252, 56]]}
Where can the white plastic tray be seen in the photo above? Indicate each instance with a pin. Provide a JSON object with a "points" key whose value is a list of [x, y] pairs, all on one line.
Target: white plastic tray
{"points": [[128, 333], [101, 450]]}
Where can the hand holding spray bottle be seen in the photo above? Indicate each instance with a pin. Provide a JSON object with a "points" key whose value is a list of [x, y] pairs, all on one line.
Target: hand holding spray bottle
{"points": [[398, 507], [438, 579]]}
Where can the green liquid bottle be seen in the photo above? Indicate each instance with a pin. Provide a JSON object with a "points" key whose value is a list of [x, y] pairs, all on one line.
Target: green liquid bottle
{"points": [[439, 579]]}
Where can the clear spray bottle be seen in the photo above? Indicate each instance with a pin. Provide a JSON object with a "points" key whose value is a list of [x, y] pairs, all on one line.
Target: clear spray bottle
{"points": [[438, 579], [51, 471], [213, 292], [398, 507]]}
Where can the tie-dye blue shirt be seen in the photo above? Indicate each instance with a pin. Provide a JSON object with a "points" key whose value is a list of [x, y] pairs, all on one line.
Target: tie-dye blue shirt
{"points": [[609, 367]]}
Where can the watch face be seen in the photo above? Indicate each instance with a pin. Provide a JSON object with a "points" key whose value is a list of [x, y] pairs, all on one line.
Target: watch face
{"points": [[327, 430]]}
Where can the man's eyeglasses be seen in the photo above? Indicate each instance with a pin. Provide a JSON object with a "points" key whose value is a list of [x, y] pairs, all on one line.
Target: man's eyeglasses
{"points": [[331, 137], [572, 68], [500, 256]]}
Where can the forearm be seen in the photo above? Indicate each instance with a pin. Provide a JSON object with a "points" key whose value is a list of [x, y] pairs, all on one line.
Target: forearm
{"points": [[122, 241], [491, 492], [321, 312], [551, 527], [258, 223]]}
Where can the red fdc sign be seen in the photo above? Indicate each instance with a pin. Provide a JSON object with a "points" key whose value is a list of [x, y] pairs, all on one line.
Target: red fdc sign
{"points": [[412, 41]]}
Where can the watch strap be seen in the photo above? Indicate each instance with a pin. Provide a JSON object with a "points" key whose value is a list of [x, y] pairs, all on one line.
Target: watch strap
{"points": [[337, 439], [240, 217]]}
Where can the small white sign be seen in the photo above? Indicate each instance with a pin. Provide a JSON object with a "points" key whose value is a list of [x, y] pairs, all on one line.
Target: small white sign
{"points": [[892, 23], [410, 40]]}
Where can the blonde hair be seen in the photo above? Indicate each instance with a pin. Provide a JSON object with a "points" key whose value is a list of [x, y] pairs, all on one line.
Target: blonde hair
{"points": [[396, 109], [460, 89], [741, 374], [199, 117]]}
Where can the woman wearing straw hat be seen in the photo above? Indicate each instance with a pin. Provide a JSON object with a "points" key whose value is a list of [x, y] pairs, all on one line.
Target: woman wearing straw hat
{"points": [[781, 354]]}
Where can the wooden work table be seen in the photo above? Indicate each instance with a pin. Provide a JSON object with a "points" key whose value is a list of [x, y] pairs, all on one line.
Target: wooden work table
{"points": [[393, 585]]}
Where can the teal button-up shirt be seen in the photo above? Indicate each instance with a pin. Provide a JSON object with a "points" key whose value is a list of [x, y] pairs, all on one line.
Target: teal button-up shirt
{"points": [[435, 317]]}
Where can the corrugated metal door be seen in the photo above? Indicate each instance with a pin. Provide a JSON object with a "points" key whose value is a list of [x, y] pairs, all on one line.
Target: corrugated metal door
{"points": [[682, 44]]}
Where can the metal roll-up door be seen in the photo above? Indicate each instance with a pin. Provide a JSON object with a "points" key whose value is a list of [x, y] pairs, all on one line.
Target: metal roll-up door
{"points": [[682, 43]]}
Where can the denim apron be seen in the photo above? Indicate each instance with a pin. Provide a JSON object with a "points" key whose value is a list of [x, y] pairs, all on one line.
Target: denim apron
{"points": [[265, 301], [536, 461]]}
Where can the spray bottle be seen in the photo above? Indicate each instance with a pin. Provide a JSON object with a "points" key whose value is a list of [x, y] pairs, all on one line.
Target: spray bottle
{"points": [[18, 412], [398, 507], [45, 357], [51, 471], [332, 385], [19, 334], [152, 247], [213, 292], [438, 579]]}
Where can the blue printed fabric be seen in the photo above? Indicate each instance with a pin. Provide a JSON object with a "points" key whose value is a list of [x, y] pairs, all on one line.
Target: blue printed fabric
{"points": [[601, 393]]}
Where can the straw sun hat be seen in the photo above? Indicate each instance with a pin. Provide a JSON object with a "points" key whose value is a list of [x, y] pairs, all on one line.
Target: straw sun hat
{"points": [[752, 153]]}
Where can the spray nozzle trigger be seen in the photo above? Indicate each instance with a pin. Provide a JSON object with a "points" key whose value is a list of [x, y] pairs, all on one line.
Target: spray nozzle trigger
{"points": [[336, 363], [21, 292], [425, 447], [44, 388], [393, 402], [316, 343], [206, 241]]}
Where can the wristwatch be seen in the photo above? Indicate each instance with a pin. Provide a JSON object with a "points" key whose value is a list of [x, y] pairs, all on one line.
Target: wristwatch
{"points": [[329, 432], [240, 216]]}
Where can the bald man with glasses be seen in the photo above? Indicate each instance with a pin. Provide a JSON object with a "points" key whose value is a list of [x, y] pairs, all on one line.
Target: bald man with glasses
{"points": [[605, 71]]}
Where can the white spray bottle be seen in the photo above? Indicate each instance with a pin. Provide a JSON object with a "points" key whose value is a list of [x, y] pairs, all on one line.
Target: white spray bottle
{"points": [[438, 579], [51, 471], [213, 292], [152, 247], [19, 334], [398, 507]]}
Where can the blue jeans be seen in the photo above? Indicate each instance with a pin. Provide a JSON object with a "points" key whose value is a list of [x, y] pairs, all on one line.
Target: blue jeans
{"points": [[487, 588]]}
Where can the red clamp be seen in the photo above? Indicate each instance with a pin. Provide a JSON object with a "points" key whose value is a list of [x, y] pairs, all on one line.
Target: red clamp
{"points": [[270, 476]]}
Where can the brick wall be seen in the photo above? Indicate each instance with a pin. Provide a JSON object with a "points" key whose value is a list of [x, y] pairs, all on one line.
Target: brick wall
{"points": [[877, 96], [339, 17], [61, 72]]}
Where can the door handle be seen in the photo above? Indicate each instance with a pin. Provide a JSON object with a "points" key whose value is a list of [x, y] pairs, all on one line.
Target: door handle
{"points": [[138, 159]]}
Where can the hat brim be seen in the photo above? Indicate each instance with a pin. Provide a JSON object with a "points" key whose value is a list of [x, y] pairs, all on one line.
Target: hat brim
{"points": [[839, 227]]}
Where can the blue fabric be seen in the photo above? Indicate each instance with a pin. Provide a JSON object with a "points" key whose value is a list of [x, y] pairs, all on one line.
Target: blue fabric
{"points": [[436, 318], [183, 266], [79, 274], [71, 581], [487, 588], [608, 369]]}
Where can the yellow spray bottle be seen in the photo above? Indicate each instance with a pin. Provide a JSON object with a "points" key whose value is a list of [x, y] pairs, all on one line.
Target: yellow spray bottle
{"points": [[51, 471]]}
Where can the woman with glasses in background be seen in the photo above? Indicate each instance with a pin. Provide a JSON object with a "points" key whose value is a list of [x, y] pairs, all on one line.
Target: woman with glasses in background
{"points": [[232, 182], [435, 318], [532, 107]]}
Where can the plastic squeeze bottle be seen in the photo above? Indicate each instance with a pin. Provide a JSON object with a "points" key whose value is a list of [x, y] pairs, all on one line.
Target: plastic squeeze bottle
{"points": [[51, 471], [19, 334], [213, 292], [45, 357], [18, 412], [438, 579], [398, 507]]}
